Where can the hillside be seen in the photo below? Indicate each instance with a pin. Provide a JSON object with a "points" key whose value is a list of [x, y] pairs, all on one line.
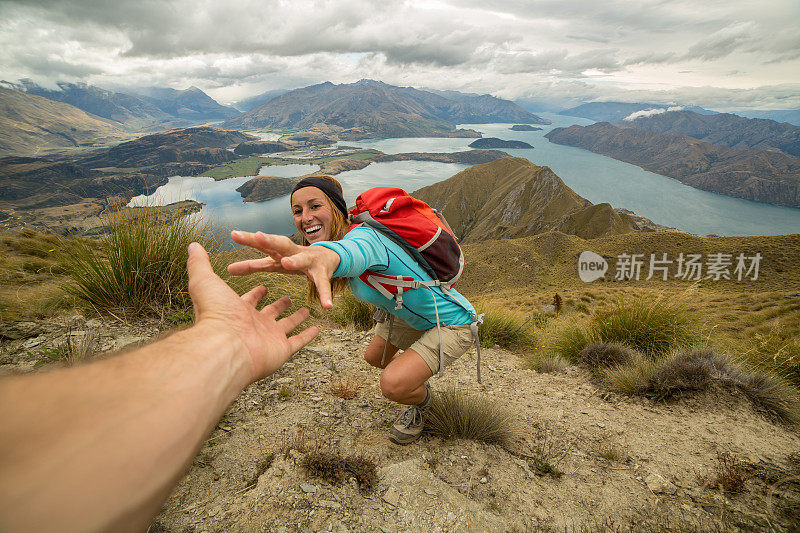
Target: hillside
{"points": [[203, 144], [586, 458], [129, 111], [616, 111], [31, 125], [724, 129], [512, 197], [369, 109], [759, 175]]}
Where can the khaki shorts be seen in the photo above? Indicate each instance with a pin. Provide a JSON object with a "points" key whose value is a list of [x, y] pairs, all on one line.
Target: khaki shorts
{"points": [[456, 340]]}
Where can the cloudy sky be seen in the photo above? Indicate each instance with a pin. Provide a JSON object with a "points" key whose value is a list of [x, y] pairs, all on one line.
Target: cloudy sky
{"points": [[721, 54]]}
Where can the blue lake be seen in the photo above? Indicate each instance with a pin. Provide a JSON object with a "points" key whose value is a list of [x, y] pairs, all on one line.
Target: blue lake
{"points": [[224, 206], [595, 177], [603, 179]]}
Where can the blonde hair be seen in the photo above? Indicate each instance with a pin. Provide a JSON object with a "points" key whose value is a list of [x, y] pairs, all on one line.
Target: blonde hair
{"points": [[339, 228]]}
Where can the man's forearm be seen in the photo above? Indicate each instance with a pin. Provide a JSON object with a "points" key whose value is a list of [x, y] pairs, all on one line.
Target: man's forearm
{"points": [[164, 398]]}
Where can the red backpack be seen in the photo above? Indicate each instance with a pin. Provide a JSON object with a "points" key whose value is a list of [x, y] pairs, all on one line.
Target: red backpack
{"points": [[424, 234], [416, 227]]}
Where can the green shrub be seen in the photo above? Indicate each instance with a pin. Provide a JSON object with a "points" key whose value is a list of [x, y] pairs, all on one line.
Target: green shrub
{"points": [[507, 329], [351, 310], [139, 265], [455, 414]]}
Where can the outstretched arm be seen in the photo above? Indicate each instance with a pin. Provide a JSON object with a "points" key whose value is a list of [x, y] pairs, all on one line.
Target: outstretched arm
{"points": [[99, 447], [284, 256]]}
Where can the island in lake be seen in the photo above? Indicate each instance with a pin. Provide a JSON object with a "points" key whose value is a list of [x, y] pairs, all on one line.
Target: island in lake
{"points": [[494, 142]]}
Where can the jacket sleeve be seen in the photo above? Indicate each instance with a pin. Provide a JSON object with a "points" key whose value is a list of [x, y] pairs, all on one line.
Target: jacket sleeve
{"points": [[361, 249]]}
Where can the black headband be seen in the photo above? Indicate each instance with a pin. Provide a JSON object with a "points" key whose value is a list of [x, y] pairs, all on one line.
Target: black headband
{"points": [[328, 187]]}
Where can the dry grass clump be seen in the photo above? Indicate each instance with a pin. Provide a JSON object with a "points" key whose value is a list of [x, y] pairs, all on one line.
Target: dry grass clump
{"points": [[507, 329], [139, 265], [351, 310], [77, 349], [730, 473], [336, 468], [776, 349], [31, 268], [345, 388], [455, 414]]}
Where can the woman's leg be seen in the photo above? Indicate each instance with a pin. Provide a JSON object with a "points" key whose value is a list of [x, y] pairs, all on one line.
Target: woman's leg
{"points": [[374, 352], [403, 380]]}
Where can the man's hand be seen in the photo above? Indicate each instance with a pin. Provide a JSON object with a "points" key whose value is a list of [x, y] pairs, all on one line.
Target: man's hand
{"points": [[263, 337], [286, 257]]}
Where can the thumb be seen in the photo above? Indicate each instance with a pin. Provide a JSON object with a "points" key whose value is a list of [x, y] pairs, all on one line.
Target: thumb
{"points": [[198, 267], [198, 263]]}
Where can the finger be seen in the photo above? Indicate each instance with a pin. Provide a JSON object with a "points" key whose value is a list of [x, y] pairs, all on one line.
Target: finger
{"points": [[292, 321], [265, 242], [266, 264], [301, 339], [254, 295], [323, 284], [277, 307]]}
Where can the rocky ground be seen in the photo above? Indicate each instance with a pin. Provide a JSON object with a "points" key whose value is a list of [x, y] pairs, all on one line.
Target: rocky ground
{"points": [[620, 463]]}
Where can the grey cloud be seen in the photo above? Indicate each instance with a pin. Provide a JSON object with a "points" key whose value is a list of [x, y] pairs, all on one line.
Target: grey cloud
{"points": [[723, 42]]}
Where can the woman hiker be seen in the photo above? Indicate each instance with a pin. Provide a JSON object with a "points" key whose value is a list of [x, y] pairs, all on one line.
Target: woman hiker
{"points": [[332, 256]]}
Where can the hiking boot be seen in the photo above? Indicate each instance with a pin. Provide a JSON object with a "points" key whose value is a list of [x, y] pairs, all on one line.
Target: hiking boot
{"points": [[408, 427]]}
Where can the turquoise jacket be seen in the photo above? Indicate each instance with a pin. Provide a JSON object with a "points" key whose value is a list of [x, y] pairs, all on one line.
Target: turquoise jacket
{"points": [[365, 248]]}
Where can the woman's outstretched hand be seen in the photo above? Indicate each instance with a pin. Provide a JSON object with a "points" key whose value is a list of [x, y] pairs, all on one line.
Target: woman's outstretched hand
{"points": [[284, 256]]}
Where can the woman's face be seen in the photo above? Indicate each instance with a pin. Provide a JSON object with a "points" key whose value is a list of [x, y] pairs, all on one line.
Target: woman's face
{"points": [[313, 214]]}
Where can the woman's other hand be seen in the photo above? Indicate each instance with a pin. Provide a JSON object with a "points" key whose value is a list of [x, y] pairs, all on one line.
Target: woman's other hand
{"points": [[284, 256]]}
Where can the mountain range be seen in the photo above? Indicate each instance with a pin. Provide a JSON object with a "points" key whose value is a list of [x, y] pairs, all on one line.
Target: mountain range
{"points": [[136, 108], [761, 175], [724, 129], [512, 197], [368, 109], [616, 111]]}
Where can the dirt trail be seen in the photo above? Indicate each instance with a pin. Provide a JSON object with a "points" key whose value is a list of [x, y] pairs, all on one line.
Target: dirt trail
{"points": [[626, 462]]}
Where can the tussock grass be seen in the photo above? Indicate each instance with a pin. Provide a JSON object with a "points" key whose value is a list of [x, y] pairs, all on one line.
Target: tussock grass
{"points": [[139, 266], [776, 348], [351, 310], [507, 329], [456, 414], [652, 326], [568, 340], [606, 354], [545, 363], [632, 378], [699, 369]]}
